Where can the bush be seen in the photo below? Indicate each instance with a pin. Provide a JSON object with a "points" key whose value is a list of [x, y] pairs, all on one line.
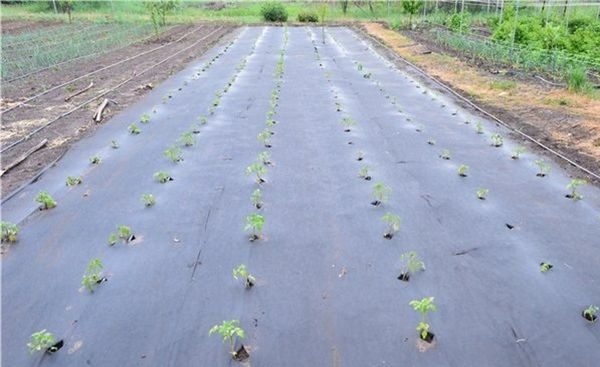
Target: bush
{"points": [[308, 17], [274, 12]]}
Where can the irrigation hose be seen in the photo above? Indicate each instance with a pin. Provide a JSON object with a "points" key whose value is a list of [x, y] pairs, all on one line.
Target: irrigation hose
{"points": [[97, 71], [79, 58], [42, 127], [467, 101]]}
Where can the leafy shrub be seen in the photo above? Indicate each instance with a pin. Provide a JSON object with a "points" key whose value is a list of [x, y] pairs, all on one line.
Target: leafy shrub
{"points": [[274, 12], [459, 22], [309, 17]]}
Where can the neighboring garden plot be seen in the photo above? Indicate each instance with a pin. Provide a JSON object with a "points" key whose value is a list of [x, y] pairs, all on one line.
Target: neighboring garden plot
{"points": [[308, 204]]}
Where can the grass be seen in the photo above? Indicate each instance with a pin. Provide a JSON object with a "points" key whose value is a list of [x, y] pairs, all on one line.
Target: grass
{"points": [[503, 84]]}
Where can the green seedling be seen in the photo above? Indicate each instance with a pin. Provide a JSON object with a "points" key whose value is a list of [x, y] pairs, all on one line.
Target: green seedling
{"points": [[10, 232], [229, 331], [445, 154], [123, 233], [544, 267], [216, 102], [145, 118], [338, 106], [255, 223], [367, 75], [360, 155], [573, 185], [270, 123], [482, 194], [92, 276], [265, 158], [114, 144], [364, 173], [46, 200], [497, 140], [360, 67], [393, 222], [411, 264], [42, 341], [203, 120], [134, 129], [591, 313], [265, 137], [462, 170], [518, 151], [187, 139], [543, 168], [73, 181], [479, 128], [381, 193], [242, 272], [431, 142], [257, 169], [424, 306], [348, 123], [162, 177], [148, 200], [256, 199], [95, 159], [174, 154]]}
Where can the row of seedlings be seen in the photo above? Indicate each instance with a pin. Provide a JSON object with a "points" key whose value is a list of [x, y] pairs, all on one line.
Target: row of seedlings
{"points": [[43, 340], [230, 330], [590, 313], [381, 196]]}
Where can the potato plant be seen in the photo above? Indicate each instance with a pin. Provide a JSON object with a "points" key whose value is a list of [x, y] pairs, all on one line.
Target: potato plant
{"points": [[134, 129], [445, 154], [543, 168], [364, 173], [265, 138], [462, 170], [123, 233], [229, 331], [173, 154], [265, 158], [92, 277], [42, 340], [145, 118], [46, 200], [482, 193], [545, 266], [148, 200], [423, 307], [479, 128], [242, 272], [114, 144], [256, 199], [73, 181], [257, 169], [393, 225], [411, 264], [360, 155], [381, 192], [254, 223], [187, 139], [591, 313], [573, 185], [203, 119], [518, 151], [95, 159], [497, 140], [10, 232], [348, 124], [162, 177]]}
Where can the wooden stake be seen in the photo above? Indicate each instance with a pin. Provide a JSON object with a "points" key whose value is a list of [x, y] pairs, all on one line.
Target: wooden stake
{"points": [[24, 157]]}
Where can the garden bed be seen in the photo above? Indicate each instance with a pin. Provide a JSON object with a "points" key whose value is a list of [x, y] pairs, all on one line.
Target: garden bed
{"points": [[327, 262]]}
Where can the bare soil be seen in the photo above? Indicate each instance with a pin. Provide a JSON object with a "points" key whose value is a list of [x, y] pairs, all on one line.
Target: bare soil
{"points": [[18, 26], [69, 129], [565, 121]]}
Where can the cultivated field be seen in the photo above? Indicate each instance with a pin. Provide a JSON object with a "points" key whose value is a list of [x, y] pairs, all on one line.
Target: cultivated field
{"points": [[356, 160]]}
